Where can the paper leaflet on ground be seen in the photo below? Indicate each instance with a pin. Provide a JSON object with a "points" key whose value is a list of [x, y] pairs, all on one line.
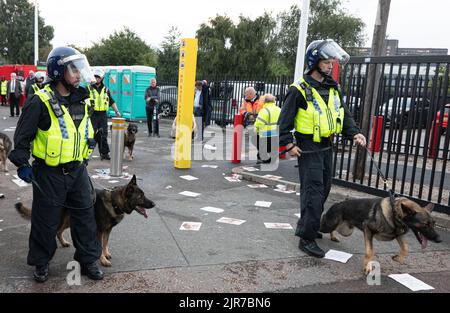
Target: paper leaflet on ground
{"points": [[231, 221], [189, 194], [20, 183], [113, 181], [250, 169], [209, 147], [235, 178], [278, 226], [298, 215], [188, 177], [104, 173], [263, 204], [192, 226], [260, 186], [272, 177], [212, 210], [410, 282], [338, 256], [210, 166], [284, 189]]}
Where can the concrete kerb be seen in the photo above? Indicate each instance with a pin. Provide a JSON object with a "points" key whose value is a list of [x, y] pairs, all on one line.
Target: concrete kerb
{"points": [[264, 180], [442, 220]]}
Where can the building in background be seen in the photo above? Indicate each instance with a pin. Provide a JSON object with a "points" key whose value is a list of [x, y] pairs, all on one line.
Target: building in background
{"points": [[392, 49]]}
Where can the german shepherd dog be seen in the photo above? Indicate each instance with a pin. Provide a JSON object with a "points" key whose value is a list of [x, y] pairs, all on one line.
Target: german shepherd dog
{"points": [[5, 149], [378, 218], [130, 139], [110, 208]]}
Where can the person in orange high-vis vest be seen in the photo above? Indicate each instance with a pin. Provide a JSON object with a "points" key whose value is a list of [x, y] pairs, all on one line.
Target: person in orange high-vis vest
{"points": [[251, 106]]}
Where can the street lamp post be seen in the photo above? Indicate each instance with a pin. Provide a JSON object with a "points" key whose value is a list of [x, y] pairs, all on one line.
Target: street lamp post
{"points": [[302, 34], [36, 33]]}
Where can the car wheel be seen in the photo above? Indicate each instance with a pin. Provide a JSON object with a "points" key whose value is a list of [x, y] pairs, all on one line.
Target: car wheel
{"points": [[165, 109]]}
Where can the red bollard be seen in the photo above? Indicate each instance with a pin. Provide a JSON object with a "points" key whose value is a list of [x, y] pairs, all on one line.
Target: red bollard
{"points": [[282, 148], [433, 149], [376, 133], [237, 139]]}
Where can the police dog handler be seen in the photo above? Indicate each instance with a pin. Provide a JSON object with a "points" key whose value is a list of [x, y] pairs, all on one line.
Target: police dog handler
{"points": [[56, 121], [314, 108]]}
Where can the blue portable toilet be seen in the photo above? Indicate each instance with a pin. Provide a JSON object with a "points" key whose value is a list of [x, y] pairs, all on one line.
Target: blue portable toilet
{"points": [[134, 81], [113, 81]]}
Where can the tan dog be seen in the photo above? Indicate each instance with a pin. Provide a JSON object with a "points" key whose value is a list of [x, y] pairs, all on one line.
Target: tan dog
{"points": [[5, 150], [378, 219]]}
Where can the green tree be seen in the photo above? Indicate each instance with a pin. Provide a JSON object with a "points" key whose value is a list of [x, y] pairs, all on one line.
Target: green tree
{"points": [[17, 32], [327, 20], [214, 39], [123, 47], [169, 55]]}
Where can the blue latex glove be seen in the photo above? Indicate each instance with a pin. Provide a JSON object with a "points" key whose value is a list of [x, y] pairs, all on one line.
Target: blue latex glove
{"points": [[25, 173]]}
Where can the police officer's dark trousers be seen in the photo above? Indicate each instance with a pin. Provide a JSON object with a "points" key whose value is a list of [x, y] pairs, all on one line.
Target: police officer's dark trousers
{"points": [[99, 121], [63, 190], [315, 171]]}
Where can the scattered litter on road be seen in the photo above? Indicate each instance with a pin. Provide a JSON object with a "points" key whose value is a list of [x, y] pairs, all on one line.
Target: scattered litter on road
{"points": [[6, 174], [212, 209], [191, 226], [263, 204], [209, 147], [95, 156], [9, 130], [410, 282], [169, 187], [298, 215], [113, 181], [1, 230], [272, 177], [210, 166], [284, 189], [95, 176], [189, 194], [125, 167], [1, 197], [20, 183], [298, 193], [1, 221], [231, 221], [338, 256], [278, 226], [250, 169], [189, 178], [260, 186], [234, 178]]}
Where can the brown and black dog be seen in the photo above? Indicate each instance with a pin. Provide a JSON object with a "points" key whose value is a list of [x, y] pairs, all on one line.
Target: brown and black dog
{"points": [[110, 208], [130, 139], [378, 219]]}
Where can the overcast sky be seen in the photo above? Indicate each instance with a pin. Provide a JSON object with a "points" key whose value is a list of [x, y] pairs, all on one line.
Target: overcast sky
{"points": [[416, 23]]}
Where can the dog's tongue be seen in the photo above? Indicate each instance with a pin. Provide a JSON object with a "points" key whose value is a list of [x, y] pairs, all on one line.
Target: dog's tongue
{"points": [[145, 213], [424, 242]]}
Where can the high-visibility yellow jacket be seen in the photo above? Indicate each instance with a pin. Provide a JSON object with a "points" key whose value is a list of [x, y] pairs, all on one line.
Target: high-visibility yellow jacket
{"points": [[3, 87], [266, 122], [62, 142], [101, 100], [320, 119]]}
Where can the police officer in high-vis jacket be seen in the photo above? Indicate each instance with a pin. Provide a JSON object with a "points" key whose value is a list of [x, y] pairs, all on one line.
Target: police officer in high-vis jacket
{"points": [[56, 120], [39, 79], [102, 99], [314, 109]]}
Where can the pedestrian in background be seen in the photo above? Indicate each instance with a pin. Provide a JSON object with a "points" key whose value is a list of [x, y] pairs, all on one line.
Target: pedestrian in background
{"points": [[3, 90], [152, 108], [13, 94], [29, 83], [266, 127]]}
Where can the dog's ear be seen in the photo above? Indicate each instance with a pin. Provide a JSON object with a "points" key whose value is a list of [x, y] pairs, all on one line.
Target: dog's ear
{"points": [[133, 181], [408, 207], [429, 207]]}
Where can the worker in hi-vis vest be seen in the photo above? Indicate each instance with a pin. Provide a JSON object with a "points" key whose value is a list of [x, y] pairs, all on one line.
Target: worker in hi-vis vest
{"points": [[314, 109], [266, 127]]}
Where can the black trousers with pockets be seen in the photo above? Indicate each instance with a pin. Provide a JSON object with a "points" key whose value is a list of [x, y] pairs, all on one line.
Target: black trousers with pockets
{"points": [[99, 120], [315, 171], [63, 191]]}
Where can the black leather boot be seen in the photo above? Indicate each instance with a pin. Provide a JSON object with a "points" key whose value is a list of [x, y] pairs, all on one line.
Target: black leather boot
{"points": [[92, 271], [311, 248], [41, 273]]}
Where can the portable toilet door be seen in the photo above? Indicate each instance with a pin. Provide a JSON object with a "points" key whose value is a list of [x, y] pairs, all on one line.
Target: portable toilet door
{"points": [[127, 94], [113, 82], [141, 81]]}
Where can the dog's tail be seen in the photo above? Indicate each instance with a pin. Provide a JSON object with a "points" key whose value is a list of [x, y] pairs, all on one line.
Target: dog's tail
{"points": [[24, 211]]}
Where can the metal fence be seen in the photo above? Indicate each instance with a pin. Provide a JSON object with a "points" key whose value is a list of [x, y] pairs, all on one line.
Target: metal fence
{"points": [[408, 111]]}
